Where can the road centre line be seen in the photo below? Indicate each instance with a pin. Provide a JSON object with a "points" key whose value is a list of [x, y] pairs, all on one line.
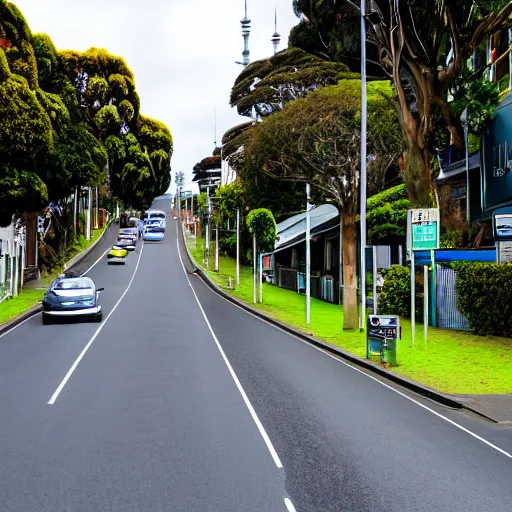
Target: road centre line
{"points": [[95, 335], [402, 394], [245, 398]]}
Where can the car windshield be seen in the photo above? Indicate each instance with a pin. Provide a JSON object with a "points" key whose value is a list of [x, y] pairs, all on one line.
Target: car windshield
{"points": [[73, 284]]}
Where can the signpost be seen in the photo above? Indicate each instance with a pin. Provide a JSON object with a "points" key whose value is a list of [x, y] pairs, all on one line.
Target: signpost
{"points": [[423, 233]]}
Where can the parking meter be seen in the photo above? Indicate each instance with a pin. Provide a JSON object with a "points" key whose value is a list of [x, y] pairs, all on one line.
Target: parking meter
{"points": [[382, 333]]}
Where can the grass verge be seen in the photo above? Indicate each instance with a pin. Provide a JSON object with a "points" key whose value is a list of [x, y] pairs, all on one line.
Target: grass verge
{"points": [[29, 297], [452, 362]]}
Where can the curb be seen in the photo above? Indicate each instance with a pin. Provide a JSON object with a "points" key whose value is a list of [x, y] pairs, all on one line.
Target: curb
{"points": [[34, 310], [362, 363], [80, 256], [11, 324]]}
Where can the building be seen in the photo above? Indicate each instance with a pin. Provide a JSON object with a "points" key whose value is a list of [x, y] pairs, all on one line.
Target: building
{"points": [[288, 260], [470, 193], [12, 259]]}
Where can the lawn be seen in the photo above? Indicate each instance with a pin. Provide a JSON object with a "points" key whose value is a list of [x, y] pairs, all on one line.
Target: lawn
{"points": [[29, 297], [452, 362]]}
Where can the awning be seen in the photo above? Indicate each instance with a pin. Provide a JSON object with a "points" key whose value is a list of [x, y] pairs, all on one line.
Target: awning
{"points": [[459, 167]]}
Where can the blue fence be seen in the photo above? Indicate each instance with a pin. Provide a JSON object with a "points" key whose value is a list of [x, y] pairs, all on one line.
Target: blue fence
{"points": [[448, 314]]}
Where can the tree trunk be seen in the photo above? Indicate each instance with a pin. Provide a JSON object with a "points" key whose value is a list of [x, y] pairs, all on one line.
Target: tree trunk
{"points": [[349, 248], [417, 174]]}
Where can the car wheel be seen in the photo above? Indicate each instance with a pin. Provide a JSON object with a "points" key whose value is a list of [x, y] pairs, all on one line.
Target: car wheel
{"points": [[46, 320], [98, 318]]}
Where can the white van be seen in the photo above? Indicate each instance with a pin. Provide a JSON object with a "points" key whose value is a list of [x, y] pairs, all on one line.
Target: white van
{"points": [[155, 218]]}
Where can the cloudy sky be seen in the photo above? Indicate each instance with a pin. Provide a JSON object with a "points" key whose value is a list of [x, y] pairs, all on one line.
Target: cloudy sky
{"points": [[182, 52]]}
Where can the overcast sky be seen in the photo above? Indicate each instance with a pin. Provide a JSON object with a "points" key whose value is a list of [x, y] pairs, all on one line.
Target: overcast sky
{"points": [[182, 52]]}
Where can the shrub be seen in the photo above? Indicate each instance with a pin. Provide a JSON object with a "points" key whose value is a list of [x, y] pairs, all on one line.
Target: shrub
{"points": [[261, 223], [485, 297], [395, 298], [452, 239], [228, 245], [387, 216]]}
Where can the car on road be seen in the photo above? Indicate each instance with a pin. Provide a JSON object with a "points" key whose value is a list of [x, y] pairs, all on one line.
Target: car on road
{"points": [[117, 255], [155, 218], [153, 234], [72, 297], [128, 232], [128, 243]]}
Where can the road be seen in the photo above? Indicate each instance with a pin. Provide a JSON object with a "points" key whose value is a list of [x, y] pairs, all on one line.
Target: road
{"points": [[180, 401]]}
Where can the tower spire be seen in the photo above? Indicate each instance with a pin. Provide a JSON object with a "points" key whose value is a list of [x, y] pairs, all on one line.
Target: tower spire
{"points": [[276, 37], [246, 30]]}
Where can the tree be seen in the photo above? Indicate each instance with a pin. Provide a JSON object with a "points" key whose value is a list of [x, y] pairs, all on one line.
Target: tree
{"points": [[25, 139], [102, 79], [262, 226], [331, 30], [424, 47], [66, 119], [317, 140], [230, 199], [387, 217], [267, 85]]}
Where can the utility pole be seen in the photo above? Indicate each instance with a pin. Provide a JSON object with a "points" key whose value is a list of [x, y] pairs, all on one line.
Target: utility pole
{"points": [[238, 247], [88, 215], [308, 255], [362, 183]]}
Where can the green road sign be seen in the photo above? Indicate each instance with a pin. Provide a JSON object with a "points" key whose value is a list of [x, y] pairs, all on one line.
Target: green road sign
{"points": [[424, 236], [424, 229]]}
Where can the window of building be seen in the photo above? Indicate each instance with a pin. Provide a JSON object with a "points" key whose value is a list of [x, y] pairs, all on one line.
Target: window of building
{"points": [[500, 56], [295, 258], [328, 258]]}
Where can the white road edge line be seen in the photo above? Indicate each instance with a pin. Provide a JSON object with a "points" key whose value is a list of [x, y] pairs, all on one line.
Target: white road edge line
{"points": [[18, 325], [248, 404], [94, 264], [289, 505], [95, 335], [448, 420]]}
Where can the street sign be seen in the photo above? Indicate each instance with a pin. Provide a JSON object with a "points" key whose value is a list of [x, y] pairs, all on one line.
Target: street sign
{"points": [[424, 229]]}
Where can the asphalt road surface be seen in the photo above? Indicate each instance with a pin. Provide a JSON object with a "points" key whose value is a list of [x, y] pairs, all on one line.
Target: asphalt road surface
{"points": [[180, 401]]}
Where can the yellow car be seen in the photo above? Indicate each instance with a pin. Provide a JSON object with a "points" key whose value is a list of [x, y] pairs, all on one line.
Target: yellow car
{"points": [[117, 255]]}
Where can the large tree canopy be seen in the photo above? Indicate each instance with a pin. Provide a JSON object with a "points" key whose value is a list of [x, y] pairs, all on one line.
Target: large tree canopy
{"points": [[316, 140], [67, 119], [424, 46], [267, 85], [331, 29]]}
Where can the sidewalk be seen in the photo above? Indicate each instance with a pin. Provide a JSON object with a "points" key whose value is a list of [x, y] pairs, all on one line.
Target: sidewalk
{"points": [[497, 407], [476, 372]]}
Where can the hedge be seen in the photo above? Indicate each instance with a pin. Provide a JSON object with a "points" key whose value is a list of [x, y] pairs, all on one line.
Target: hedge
{"points": [[395, 298], [485, 297]]}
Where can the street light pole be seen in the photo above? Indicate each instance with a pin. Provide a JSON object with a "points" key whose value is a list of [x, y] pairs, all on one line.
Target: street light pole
{"points": [[362, 184], [238, 247], [308, 255]]}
